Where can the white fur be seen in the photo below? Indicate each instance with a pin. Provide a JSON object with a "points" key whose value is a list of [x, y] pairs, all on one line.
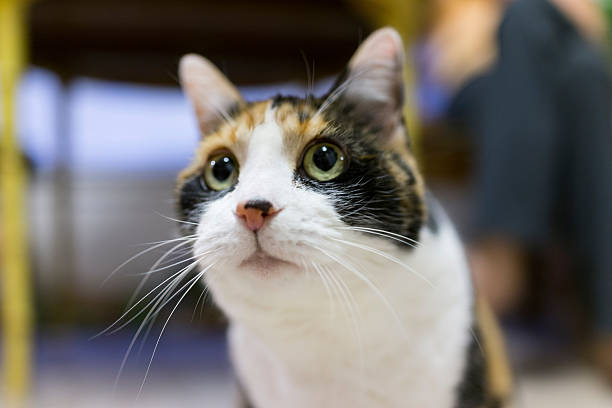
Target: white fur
{"points": [[291, 345]]}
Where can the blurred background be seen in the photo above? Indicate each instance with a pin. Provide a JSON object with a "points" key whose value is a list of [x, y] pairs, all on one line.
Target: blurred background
{"points": [[509, 110]]}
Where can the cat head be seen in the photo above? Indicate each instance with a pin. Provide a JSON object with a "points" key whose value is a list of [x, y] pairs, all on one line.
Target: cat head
{"points": [[278, 187]]}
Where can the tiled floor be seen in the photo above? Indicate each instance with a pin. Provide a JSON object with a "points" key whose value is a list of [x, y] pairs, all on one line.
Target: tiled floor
{"points": [[171, 390], [574, 387], [571, 387], [75, 372]]}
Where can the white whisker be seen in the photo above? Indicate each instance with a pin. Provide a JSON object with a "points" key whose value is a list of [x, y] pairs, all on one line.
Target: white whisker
{"points": [[354, 312], [368, 282], [194, 280], [338, 91], [135, 337], [145, 279], [176, 278], [175, 219], [386, 256], [168, 241], [326, 284], [152, 271], [106, 330], [200, 298], [374, 231], [141, 253]]}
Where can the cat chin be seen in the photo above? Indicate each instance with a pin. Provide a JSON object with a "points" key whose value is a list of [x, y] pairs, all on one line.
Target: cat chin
{"points": [[263, 263]]}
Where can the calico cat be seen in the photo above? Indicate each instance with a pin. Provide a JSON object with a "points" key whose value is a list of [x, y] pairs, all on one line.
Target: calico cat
{"points": [[344, 283]]}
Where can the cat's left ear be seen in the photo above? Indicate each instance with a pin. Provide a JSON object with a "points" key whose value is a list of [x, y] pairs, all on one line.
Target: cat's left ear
{"points": [[372, 87], [212, 95]]}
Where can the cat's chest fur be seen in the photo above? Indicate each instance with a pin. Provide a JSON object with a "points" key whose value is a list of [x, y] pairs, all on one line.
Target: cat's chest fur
{"points": [[371, 360]]}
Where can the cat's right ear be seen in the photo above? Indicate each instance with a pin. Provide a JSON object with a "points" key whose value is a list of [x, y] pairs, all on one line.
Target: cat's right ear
{"points": [[372, 88], [212, 95]]}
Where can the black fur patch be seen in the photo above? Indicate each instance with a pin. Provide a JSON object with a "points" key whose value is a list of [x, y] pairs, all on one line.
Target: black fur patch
{"points": [[472, 391], [280, 99], [367, 194], [193, 195]]}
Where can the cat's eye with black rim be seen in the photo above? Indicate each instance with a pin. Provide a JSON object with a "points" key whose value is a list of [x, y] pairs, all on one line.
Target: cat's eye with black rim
{"points": [[221, 171], [324, 161]]}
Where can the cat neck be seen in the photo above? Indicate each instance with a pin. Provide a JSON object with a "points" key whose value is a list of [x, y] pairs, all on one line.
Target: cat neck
{"points": [[288, 351]]}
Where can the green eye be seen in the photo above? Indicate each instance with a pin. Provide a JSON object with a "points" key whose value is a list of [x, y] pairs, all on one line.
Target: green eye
{"points": [[324, 161], [221, 171]]}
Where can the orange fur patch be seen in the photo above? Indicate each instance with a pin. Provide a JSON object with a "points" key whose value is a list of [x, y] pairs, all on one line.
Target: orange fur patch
{"points": [[299, 133], [299, 124], [232, 136]]}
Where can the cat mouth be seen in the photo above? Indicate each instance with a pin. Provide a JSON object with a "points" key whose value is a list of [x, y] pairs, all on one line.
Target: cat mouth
{"points": [[264, 261]]}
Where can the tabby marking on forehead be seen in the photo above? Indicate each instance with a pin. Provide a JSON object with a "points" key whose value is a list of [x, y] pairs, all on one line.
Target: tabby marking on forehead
{"points": [[300, 125], [298, 121], [232, 135]]}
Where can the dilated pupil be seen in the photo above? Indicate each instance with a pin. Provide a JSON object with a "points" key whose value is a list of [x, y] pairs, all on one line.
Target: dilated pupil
{"points": [[325, 158], [222, 169]]}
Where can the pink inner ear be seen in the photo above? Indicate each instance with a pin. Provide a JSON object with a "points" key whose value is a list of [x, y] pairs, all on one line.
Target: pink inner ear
{"points": [[384, 44], [209, 91]]}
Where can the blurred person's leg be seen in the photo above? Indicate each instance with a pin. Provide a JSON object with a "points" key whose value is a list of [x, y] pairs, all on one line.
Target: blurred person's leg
{"points": [[500, 273], [601, 353], [465, 44], [518, 156], [545, 161], [588, 92], [541, 121], [524, 116]]}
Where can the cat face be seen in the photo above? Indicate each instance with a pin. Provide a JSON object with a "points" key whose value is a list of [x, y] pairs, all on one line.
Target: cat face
{"points": [[277, 185]]}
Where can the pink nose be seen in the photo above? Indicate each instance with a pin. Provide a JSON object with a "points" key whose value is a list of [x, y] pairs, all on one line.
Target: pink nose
{"points": [[255, 212]]}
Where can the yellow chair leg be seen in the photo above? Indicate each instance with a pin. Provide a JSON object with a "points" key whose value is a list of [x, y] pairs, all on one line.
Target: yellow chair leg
{"points": [[16, 304]]}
